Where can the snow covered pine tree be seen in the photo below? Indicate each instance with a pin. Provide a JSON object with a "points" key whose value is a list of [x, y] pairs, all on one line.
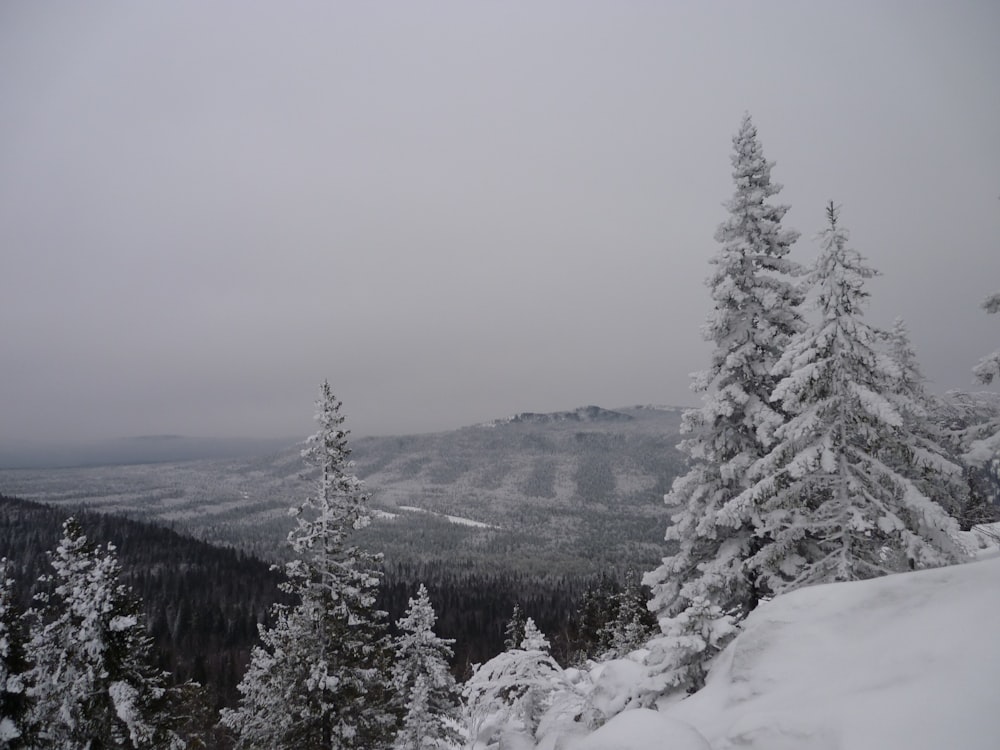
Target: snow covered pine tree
{"points": [[633, 623], [831, 506], [755, 313], [929, 459], [320, 677], [94, 683], [985, 448], [507, 696], [422, 681], [513, 632]]}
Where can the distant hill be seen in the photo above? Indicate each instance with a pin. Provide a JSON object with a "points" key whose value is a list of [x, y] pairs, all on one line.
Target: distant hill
{"points": [[570, 491]]}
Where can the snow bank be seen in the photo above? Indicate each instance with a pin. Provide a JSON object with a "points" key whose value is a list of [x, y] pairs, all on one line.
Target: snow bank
{"points": [[907, 662], [982, 541], [642, 729]]}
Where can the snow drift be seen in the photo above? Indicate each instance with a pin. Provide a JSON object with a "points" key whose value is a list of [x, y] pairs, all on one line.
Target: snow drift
{"points": [[904, 662], [907, 662]]}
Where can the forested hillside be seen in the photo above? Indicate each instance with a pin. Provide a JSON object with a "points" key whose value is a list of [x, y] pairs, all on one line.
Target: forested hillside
{"points": [[568, 493], [202, 603]]}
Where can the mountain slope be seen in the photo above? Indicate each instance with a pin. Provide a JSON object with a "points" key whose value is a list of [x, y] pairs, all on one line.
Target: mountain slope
{"points": [[564, 492]]}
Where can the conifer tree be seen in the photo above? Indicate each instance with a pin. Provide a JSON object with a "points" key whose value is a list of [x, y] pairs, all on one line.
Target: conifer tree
{"points": [[509, 694], [968, 419], [928, 458], [984, 448], [514, 630], [420, 675], [15, 731], [595, 616], [94, 682], [320, 677], [830, 505], [755, 313], [633, 623], [534, 639]]}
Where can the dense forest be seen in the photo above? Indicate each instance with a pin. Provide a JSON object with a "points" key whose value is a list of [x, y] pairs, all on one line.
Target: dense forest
{"points": [[202, 603]]}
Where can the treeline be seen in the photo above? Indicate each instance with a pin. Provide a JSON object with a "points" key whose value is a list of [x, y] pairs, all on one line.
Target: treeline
{"points": [[202, 603], [474, 606]]}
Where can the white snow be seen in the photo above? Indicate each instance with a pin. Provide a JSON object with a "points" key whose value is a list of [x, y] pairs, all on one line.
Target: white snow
{"points": [[642, 729], [903, 662], [906, 662], [122, 622], [453, 519], [982, 541]]}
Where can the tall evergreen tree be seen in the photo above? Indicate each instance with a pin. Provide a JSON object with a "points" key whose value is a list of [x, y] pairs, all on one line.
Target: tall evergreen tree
{"points": [[94, 681], [320, 677], [755, 313], [595, 618], [970, 418], [928, 458], [514, 629], [633, 624], [830, 505], [420, 675], [984, 448]]}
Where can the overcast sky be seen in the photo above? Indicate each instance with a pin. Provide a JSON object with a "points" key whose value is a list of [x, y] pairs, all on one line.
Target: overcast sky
{"points": [[456, 211]]}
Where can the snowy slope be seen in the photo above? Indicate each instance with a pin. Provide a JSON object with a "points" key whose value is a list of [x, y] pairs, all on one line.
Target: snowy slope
{"points": [[906, 662], [565, 492]]}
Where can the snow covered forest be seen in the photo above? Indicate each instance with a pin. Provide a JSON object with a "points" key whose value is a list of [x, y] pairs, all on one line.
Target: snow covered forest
{"points": [[818, 461]]}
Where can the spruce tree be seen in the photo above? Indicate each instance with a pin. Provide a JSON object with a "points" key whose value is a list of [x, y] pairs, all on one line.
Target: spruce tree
{"points": [[509, 694], [984, 448], [514, 629], [94, 681], [595, 616], [928, 459], [969, 418], [755, 313], [320, 677], [633, 624], [421, 677], [831, 505]]}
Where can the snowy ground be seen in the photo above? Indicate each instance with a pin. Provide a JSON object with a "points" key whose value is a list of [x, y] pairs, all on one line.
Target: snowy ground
{"points": [[451, 519], [906, 662]]}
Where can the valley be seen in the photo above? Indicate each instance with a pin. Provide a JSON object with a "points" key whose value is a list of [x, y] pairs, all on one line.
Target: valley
{"points": [[562, 493]]}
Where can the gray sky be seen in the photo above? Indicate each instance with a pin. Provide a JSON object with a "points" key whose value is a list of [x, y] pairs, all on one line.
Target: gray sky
{"points": [[457, 210]]}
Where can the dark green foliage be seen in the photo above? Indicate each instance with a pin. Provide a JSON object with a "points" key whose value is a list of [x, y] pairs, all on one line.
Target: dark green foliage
{"points": [[541, 481], [474, 605], [612, 618], [596, 612], [513, 632], [15, 705], [201, 604]]}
